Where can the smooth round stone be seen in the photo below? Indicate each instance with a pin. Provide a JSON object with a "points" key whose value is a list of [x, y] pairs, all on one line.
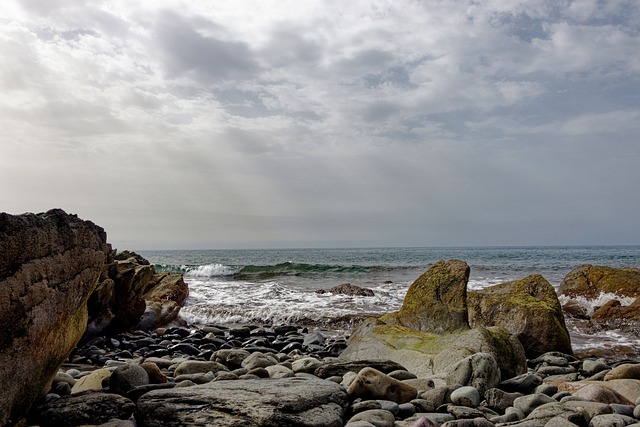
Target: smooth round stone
{"points": [[61, 388], [198, 366], [306, 364], [636, 412], [183, 348], [279, 371], [548, 389], [114, 363], [162, 363], [592, 367], [360, 424], [611, 420], [466, 396], [377, 417], [516, 411], [371, 383], [622, 409], [233, 358], [390, 406], [75, 373], [560, 395], [125, 378], [223, 376], [64, 377], [365, 405], [402, 375], [259, 360], [259, 372], [406, 410], [528, 403], [629, 371], [506, 418]]}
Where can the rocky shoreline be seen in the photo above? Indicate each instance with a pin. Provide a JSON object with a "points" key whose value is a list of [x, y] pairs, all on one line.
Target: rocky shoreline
{"points": [[94, 335], [289, 376]]}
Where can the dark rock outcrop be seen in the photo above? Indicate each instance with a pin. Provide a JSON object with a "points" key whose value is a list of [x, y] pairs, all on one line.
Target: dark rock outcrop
{"points": [[348, 289], [131, 295], [49, 265], [589, 281], [528, 308]]}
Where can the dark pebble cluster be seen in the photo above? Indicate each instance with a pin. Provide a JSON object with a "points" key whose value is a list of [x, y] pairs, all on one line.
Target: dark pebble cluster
{"points": [[142, 361], [202, 342]]}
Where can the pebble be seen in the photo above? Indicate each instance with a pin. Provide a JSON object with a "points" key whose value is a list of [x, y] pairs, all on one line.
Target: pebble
{"points": [[394, 397]]}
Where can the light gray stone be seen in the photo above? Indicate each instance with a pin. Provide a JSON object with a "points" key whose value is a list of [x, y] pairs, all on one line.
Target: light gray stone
{"points": [[611, 420], [289, 401], [529, 402], [377, 417], [466, 396], [479, 370]]}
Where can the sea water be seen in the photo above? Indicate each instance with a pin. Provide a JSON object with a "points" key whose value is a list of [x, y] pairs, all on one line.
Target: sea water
{"points": [[279, 286]]}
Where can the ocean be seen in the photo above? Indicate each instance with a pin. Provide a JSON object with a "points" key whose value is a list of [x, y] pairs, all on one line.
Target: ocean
{"points": [[278, 286]]}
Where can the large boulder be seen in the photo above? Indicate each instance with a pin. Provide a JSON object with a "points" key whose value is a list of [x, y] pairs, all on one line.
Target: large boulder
{"points": [[613, 315], [426, 354], [589, 281], [431, 332], [49, 265], [131, 295], [277, 402], [528, 308], [437, 301]]}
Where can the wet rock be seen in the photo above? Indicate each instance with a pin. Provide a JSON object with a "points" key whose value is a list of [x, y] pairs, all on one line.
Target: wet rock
{"points": [[590, 281], [289, 401], [624, 371], [348, 289], [198, 366], [376, 417], [479, 371], [328, 369], [436, 302], [611, 420], [125, 378], [373, 384], [528, 403], [527, 308], [93, 381], [85, 408], [49, 265], [466, 396], [500, 400], [524, 383]]}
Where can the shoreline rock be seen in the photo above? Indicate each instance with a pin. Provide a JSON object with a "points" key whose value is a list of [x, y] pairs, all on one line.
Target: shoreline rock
{"points": [[49, 265]]}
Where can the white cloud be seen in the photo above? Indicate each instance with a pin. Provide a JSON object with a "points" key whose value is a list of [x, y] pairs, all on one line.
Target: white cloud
{"points": [[283, 121]]}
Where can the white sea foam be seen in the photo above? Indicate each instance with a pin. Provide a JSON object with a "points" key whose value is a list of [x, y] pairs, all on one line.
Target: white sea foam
{"points": [[209, 270], [591, 304], [230, 301]]}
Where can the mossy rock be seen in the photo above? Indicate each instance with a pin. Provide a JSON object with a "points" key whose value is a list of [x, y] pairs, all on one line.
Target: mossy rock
{"points": [[528, 308], [590, 281], [437, 301]]}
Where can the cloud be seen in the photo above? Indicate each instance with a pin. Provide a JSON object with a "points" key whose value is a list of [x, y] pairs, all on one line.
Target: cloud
{"points": [[313, 123]]}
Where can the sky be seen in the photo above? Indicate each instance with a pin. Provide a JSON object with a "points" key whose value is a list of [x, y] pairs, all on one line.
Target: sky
{"points": [[269, 124]]}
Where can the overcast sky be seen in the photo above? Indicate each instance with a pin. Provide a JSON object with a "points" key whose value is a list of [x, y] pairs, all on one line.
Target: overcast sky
{"points": [[211, 124]]}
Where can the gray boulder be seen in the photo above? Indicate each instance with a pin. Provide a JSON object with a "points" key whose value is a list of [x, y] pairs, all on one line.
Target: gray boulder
{"points": [[303, 402], [49, 265], [430, 333]]}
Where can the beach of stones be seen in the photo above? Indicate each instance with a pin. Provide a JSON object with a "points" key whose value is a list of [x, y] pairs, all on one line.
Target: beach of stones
{"points": [[201, 375]]}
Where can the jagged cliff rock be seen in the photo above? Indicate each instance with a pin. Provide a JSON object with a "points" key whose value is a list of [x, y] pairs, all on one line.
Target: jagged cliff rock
{"points": [[49, 265]]}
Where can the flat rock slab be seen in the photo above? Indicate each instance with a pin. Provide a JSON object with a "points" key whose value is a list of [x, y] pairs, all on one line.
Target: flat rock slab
{"points": [[303, 402]]}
